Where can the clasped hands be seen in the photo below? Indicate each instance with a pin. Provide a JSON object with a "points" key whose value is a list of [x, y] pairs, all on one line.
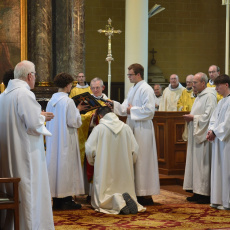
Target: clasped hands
{"points": [[210, 136]]}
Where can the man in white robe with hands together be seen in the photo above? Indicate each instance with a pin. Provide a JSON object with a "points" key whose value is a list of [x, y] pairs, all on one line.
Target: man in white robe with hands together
{"points": [[22, 149], [198, 160], [139, 107], [219, 135]]}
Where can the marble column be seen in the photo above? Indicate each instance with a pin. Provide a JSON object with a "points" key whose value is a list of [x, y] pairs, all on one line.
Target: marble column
{"points": [[136, 37], [40, 39], [70, 36]]}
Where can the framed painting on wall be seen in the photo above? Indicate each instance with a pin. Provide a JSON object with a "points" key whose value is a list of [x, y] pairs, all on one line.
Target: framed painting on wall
{"points": [[13, 33]]}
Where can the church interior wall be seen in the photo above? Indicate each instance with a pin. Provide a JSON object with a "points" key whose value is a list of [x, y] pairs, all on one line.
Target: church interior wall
{"points": [[188, 36], [97, 13]]}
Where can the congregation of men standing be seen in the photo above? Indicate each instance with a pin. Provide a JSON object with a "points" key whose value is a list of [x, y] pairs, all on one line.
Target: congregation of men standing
{"points": [[113, 147]]}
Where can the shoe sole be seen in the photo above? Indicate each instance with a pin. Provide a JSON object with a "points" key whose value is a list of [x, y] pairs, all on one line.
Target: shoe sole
{"points": [[130, 203], [125, 210]]}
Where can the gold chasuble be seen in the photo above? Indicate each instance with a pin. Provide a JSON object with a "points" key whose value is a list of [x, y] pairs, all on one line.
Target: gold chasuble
{"points": [[219, 97], [76, 91], [186, 100], [83, 131]]}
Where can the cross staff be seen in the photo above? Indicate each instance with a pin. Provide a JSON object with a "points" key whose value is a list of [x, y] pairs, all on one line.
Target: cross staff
{"points": [[109, 31]]}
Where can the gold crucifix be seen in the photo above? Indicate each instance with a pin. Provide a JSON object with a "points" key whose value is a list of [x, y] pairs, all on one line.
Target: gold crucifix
{"points": [[109, 31]]}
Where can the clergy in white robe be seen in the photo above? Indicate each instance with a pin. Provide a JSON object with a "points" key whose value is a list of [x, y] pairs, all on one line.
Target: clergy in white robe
{"points": [[113, 150], [158, 95], [219, 135], [171, 95], [62, 149], [22, 150], [139, 107], [198, 159]]}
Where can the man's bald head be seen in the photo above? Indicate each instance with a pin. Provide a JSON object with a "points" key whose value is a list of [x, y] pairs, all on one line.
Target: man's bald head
{"points": [[189, 79], [174, 81]]}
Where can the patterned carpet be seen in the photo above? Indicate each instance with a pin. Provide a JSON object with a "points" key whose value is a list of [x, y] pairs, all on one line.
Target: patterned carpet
{"points": [[170, 211]]}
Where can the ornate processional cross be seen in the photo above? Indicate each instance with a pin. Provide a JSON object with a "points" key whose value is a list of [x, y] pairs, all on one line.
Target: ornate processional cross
{"points": [[109, 31]]}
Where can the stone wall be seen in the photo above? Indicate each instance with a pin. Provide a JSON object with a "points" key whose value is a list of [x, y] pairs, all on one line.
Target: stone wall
{"points": [[189, 36]]}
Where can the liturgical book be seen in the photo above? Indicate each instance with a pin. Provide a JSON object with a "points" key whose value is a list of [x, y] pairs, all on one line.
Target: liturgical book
{"points": [[88, 100]]}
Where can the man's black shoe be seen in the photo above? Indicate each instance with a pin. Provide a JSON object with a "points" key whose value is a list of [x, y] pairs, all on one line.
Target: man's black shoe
{"points": [[130, 203], [193, 198], [70, 205], [145, 200], [204, 200], [125, 210]]}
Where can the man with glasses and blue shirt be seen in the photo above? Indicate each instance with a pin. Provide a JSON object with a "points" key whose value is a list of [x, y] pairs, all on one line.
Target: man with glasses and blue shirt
{"points": [[214, 72], [139, 107], [22, 151]]}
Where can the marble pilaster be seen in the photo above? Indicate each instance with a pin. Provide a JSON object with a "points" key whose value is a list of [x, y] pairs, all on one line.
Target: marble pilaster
{"points": [[70, 36], [40, 39]]}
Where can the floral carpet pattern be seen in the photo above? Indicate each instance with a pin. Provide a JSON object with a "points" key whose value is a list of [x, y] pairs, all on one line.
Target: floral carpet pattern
{"points": [[170, 211]]}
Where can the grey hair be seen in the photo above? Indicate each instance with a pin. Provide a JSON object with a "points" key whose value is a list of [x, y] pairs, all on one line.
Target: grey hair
{"points": [[175, 75], [159, 86], [203, 77], [97, 79], [23, 68], [190, 75]]}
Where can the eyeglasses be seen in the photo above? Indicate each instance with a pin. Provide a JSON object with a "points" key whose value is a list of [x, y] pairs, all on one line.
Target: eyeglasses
{"points": [[95, 88], [212, 71], [130, 74], [34, 73]]}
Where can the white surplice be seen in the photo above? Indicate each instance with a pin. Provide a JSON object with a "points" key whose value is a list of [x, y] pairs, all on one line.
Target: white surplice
{"points": [[198, 160], [62, 152], [22, 154], [220, 183], [170, 98], [157, 101], [141, 97], [112, 149]]}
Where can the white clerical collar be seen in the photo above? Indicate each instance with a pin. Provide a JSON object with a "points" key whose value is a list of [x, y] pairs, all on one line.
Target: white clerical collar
{"points": [[98, 97], [174, 89], [211, 82], [82, 86]]}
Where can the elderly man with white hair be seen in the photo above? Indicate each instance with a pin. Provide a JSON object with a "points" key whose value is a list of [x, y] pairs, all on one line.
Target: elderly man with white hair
{"points": [[22, 150], [171, 94], [197, 176]]}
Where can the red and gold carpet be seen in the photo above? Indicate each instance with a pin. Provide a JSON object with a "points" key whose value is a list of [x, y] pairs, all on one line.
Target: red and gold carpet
{"points": [[170, 211]]}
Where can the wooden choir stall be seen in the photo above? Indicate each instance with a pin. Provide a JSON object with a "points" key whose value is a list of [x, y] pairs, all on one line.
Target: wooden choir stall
{"points": [[171, 148]]}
